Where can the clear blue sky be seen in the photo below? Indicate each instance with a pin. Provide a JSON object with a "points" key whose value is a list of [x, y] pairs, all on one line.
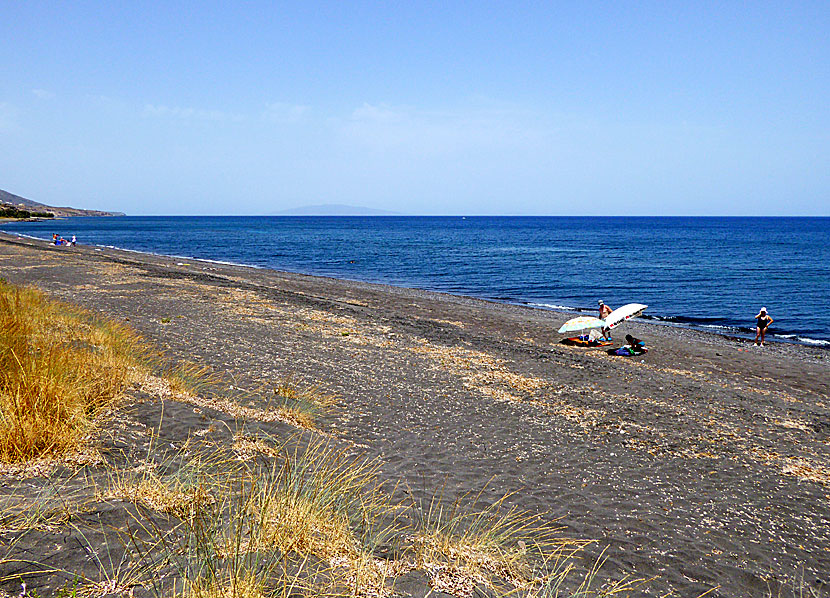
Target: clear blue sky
{"points": [[663, 108]]}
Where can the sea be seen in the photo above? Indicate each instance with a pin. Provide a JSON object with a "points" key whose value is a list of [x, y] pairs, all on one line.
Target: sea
{"points": [[710, 274]]}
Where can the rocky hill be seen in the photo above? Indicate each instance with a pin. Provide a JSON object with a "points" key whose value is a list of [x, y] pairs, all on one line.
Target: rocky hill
{"points": [[34, 206]]}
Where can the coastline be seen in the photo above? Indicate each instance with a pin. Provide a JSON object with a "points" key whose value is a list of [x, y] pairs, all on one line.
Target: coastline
{"points": [[662, 321], [702, 463]]}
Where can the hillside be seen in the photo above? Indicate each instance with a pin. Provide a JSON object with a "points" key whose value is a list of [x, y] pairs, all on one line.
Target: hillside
{"points": [[34, 206]]}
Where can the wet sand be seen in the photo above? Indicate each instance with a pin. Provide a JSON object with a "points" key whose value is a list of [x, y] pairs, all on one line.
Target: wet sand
{"points": [[703, 464]]}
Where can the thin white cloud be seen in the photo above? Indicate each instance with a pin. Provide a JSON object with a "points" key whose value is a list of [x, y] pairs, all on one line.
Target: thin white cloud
{"points": [[190, 114], [7, 116], [383, 127], [43, 94], [380, 114], [283, 113]]}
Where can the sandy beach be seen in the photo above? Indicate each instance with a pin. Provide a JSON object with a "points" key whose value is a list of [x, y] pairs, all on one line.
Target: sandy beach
{"points": [[703, 465]]}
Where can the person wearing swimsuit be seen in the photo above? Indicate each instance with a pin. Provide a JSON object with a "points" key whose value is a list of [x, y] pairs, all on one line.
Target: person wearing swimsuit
{"points": [[763, 322], [604, 310]]}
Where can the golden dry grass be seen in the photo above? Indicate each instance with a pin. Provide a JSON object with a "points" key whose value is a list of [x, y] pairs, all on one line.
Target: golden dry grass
{"points": [[319, 501], [462, 546], [302, 403], [245, 586], [169, 495], [60, 366], [225, 545]]}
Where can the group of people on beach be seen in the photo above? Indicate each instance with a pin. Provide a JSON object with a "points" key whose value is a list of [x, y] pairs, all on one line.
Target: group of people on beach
{"points": [[763, 320], [58, 240], [635, 345]]}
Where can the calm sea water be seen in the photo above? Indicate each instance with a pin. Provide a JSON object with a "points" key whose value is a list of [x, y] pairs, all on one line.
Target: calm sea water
{"points": [[709, 273]]}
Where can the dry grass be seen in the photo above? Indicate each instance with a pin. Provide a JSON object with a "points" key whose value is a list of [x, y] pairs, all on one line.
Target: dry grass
{"points": [[246, 585], [190, 378], [302, 403], [300, 414], [224, 547], [555, 576], [245, 527], [306, 520], [320, 501], [248, 529], [174, 494], [462, 546], [60, 366], [310, 504]]}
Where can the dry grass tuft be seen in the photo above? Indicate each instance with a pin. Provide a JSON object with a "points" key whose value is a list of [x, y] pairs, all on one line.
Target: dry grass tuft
{"points": [[181, 484], [244, 585], [221, 549], [462, 547], [250, 528], [164, 495], [302, 403], [315, 502], [60, 366], [190, 378], [320, 501]]}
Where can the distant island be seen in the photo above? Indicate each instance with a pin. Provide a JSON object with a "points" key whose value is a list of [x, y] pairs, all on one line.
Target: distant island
{"points": [[333, 209], [14, 206]]}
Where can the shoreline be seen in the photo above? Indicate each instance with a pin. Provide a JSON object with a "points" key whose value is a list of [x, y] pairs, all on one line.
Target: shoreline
{"points": [[736, 336]]}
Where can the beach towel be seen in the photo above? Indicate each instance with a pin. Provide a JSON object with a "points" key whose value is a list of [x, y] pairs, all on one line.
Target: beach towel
{"points": [[584, 341], [626, 351]]}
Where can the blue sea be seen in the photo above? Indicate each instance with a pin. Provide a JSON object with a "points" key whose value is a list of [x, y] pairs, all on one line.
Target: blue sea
{"points": [[707, 273]]}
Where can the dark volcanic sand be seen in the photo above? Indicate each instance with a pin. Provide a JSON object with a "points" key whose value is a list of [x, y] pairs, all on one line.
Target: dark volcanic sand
{"points": [[704, 463]]}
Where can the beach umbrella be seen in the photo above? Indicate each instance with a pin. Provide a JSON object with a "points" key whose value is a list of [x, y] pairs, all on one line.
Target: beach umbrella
{"points": [[581, 323], [621, 314]]}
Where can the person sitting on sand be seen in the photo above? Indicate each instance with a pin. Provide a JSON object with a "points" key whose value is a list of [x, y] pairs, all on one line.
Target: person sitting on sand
{"points": [[604, 310], [632, 341], [764, 320], [635, 345]]}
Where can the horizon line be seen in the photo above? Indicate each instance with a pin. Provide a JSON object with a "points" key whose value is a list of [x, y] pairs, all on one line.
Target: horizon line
{"points": [[473, 215]]}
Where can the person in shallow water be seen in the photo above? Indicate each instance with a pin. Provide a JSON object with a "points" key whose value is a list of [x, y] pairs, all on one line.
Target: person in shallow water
{"points": [[764, 320], [604, 310]]}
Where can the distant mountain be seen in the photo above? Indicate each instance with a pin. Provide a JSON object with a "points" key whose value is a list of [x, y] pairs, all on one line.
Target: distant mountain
{"points": [[34, 206], [333, 209]]}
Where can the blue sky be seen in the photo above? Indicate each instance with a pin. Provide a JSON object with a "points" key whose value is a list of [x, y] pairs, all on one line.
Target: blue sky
{"points": [[664, 108]]}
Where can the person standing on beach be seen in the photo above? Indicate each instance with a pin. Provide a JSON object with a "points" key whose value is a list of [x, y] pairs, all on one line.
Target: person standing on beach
{"points": [[604, 310], [764, 320], [73, 241]]}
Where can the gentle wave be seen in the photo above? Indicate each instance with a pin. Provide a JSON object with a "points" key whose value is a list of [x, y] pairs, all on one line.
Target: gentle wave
{"points": [[804, 339], [814, 341], [177, 256], [556, 307], [561, 264]]}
